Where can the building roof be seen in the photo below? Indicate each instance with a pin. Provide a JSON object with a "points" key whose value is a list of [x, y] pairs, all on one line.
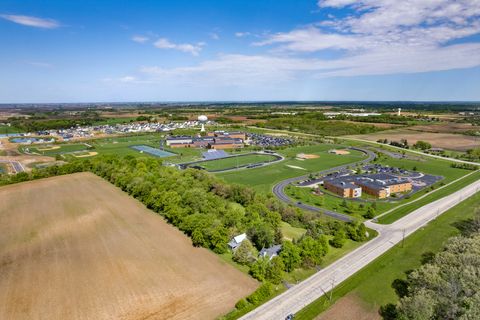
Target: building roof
{"points": [[237, 240], [342, 184], [240, 237], [274, 250], [179, 138]]}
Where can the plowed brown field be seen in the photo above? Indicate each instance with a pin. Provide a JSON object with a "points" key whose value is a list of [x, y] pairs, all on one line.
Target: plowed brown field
{"points": [[76, 247]]}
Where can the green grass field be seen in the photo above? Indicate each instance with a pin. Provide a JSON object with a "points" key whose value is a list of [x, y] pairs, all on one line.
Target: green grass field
{"points": [[432, 166], [290, 232], [233, 162], [54, 149], [434, 195], [263, 179], [378, 276]]}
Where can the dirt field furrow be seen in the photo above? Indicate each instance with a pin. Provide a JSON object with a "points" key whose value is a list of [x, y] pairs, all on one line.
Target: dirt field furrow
{"points": [[76, 247]]}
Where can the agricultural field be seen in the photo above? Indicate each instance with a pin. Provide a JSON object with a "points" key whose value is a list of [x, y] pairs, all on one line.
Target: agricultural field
{"points": [[263, 178], [439, 139], [233, 162], [79, 248]]}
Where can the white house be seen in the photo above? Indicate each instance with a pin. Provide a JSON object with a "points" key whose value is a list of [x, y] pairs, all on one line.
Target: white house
{"points": [[237, 240]]}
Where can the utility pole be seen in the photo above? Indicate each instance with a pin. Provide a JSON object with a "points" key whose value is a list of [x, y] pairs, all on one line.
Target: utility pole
{"points": [[403, 238]]}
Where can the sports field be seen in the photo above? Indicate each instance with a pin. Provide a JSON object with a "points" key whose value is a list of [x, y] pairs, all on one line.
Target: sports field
{"points": [[264, 178], [79, 248], [237, 161], [54, 149]]}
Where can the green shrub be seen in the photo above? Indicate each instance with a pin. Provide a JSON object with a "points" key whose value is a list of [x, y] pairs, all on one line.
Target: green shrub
{"points": [[261, 294]]}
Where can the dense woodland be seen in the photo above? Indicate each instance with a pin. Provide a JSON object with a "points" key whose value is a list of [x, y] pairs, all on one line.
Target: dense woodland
{"points": [[447, 285]]}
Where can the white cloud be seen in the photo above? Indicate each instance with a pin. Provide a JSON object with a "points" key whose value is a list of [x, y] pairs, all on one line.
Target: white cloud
{"points": [[242, 34], [31, 21], [214, 36], [127, 79], [140, 39], [245, 70], [384, 36], [193, 49], [378, 38], [311, 39]]}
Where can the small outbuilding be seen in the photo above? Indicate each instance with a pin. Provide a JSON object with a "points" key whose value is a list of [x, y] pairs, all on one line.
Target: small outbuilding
{"points": [[237, 240]]}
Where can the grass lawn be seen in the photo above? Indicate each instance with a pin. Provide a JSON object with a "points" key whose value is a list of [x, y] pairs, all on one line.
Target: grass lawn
{"points": [[378, 276], [404, 210], [233, 162], [121, 146], [432, 166], [291, 233], [263, 179]]}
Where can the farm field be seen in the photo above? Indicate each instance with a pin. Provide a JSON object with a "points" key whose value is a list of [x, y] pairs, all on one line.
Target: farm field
{"points": [[233, 162], [445, 140], [263, 179], [79, 248], [360, 293]]}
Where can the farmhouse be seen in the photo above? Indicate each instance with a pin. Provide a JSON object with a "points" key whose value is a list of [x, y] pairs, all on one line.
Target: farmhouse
{"points": [[270, 252], [237, 240]]}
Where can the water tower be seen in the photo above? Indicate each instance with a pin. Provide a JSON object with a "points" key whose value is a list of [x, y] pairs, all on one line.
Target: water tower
{"points": [[202, 119]]}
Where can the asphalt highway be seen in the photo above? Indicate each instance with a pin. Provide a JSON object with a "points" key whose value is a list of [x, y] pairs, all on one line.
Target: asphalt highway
{"points": [[301, 295]]}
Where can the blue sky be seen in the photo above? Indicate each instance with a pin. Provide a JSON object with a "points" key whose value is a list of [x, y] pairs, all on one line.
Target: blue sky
{"points": [[85, 51]]}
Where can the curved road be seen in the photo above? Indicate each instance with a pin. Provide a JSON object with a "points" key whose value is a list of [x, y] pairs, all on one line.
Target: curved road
{"points": [[279, 189], [301, 295]]}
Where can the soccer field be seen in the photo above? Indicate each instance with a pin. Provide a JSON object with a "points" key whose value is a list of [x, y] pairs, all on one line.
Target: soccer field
{"points": [[235, 161]]}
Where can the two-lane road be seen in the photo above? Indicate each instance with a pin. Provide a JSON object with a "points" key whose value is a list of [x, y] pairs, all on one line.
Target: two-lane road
{"points": [[299, 296]]}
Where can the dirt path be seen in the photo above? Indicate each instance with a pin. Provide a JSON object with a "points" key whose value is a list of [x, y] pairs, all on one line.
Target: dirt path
{"points": [[76, 247]]}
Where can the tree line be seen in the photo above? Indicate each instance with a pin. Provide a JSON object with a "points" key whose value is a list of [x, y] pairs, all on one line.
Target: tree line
{"points": [[211, 212], [447, 285]]}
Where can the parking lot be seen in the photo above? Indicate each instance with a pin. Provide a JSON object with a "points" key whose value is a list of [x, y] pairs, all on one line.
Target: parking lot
{"points": [[266, 141], [419, 180]]}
